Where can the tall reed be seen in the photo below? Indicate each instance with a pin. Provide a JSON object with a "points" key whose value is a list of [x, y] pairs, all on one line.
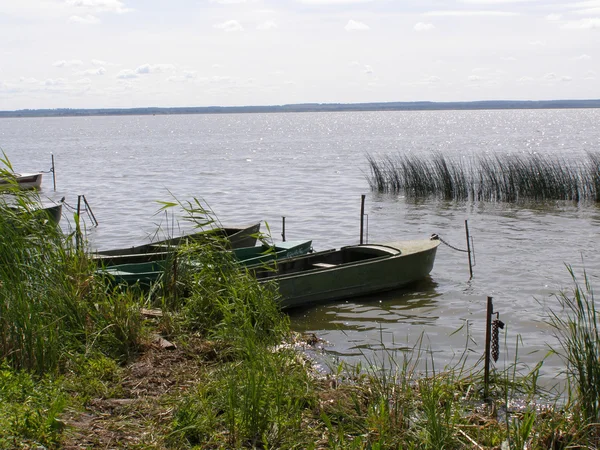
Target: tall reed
{"points": [[577, 329], [503, 178], [50, 303]]}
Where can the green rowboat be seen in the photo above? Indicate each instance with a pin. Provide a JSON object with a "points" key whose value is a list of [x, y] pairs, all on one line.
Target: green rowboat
{"points": [[351, 271]]}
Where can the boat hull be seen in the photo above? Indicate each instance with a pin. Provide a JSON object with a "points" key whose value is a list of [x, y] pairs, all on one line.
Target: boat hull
{"points": [[327, 278], [23, 180], [237, 237]]}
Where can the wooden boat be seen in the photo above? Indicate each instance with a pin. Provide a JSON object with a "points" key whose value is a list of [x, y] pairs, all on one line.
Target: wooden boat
{"points": [[350, 271], [237, 237], [22, 180], [51, 212], [149, 272]]}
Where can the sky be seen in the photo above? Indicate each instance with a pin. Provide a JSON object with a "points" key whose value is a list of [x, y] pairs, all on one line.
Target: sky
{"points": [[175, 53]]}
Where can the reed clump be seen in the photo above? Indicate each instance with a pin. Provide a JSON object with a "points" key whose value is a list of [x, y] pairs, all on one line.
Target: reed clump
{"points": [[502, 178]]}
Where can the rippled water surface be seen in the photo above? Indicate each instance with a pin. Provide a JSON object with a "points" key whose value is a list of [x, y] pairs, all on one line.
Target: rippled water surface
{"points": [[311, 168]]}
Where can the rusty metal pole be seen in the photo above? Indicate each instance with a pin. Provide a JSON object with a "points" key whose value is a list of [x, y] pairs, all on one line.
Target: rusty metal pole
{"points": [[488, 334], [362, 216], [283, 228]]}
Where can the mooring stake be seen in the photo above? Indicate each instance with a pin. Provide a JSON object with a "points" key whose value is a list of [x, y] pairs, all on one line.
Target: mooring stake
{"points": [[362, 216], [283, 228], [53, 173], [469, 247], [488, 332]]}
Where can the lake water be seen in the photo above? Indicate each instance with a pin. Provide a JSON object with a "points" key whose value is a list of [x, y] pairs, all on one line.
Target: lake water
{"points": [[311, 168]]}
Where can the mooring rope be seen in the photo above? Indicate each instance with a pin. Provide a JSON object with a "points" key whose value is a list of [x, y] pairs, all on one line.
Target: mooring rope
{"points": [[436, 236]]}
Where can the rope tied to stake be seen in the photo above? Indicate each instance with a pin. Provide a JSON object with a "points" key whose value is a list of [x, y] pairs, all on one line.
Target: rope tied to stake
{"points": [[436, 236], [496, 325]]}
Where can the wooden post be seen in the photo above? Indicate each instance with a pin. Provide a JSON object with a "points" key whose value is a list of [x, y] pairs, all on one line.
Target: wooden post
{"points": [[283, 228], [488, 335], [362, 216], [78, 224], [469, 248], [53, 173]]}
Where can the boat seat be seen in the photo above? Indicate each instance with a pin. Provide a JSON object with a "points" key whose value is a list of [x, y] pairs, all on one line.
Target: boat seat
{"points": [[324, 265]]}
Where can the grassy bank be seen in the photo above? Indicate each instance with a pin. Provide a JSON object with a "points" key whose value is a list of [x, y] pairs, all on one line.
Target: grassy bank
{"points": [[502, 178], [208, 361]]}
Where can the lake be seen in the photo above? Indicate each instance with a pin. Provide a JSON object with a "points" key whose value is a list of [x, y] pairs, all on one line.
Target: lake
{"points": [[312, 169]]}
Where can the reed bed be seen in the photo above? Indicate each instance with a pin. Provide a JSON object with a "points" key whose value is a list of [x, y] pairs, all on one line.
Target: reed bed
{"points": [[501, 178]]}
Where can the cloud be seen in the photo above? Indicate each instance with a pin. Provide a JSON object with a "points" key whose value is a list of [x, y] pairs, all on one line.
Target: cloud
{"points": [[368, 69], [553, 17], [550, 76], [583, 57], [126, 74], [268, 25], [590, 75], [538, 43], [333, 2], [86, 20], [154, 68], [185, 76], [566, 79], [526, 80], [97, 71], [28, 80], [228, 2], [353, 25], [55, 82], [433, 79], [422, 26], [230, 26], [68, 63], [471, 13], [99, 62], [112, 6], [474, 78], [583, 24]]}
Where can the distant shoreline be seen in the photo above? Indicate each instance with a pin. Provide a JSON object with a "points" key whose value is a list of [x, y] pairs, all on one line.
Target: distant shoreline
{"points": [[310, 107]]}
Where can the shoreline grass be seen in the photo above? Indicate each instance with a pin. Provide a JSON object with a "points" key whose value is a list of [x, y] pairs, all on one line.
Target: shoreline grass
{"points": [[493, 178], [81, 366]]}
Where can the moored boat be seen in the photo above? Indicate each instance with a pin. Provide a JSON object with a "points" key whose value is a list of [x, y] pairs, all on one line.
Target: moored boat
{"points": [[235, 237], [149, 272], [22, 180], [351, 271]]}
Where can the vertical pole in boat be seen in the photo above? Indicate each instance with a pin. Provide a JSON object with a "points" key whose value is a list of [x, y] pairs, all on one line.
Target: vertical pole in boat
{"points": [[283, 228], [469, 248], [488, 332], [53, 173], [362, 216]]}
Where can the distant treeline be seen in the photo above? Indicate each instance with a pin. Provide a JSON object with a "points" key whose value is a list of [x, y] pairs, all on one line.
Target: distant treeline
{"points": [[309, 107]]}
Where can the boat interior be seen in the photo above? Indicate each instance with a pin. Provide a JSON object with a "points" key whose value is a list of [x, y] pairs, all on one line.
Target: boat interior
{"points": [[325, 260]]}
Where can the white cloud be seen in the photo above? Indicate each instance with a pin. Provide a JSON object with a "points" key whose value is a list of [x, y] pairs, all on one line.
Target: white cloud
{"points": [[433, 79], [228, 2], [126, 74], [87, 19], [154, 68], [68, 63], [526, 80], [333, 2], [230, 26], [422, 26], [268, 25], [97, 71], [590, 75], [538, 43], [474, 78], [28, 80], [185, 76], [99, 62], [553, 17], [55, 82], [471, 13], [583, 57], [368, 69], [113, 6], [566, 78], [550, 76], [583, 24], [353, 25]]}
